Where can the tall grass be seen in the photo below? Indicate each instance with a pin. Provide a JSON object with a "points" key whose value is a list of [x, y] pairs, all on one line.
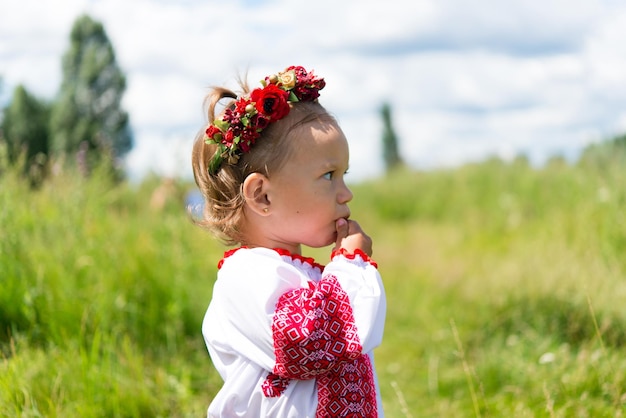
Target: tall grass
{"points": [[528, 264], [101, 300], [505, 288]]}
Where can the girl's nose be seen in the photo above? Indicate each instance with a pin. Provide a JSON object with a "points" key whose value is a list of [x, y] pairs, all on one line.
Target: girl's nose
{"points": [[345, 195]]}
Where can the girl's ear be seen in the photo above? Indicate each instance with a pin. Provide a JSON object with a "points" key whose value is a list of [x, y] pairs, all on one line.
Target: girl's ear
{"points": [[255, 188]]}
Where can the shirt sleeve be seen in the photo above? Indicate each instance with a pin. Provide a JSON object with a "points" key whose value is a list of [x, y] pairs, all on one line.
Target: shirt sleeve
{"points": [[359, 277]]}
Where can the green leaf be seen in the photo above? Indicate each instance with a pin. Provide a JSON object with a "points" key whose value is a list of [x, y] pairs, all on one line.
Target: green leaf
{"points": [[222, 125], [216, 162], [217, 138]]}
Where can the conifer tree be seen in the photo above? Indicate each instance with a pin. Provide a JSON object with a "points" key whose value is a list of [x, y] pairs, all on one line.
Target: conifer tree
{"points": [[391, 155], [88, 114]]}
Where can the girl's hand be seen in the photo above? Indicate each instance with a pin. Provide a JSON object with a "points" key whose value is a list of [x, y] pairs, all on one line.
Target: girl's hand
{"points": [[351, 237]]}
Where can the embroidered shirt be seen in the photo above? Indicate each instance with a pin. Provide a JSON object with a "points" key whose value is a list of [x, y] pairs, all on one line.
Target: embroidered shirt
{"points": [[292, 338]]}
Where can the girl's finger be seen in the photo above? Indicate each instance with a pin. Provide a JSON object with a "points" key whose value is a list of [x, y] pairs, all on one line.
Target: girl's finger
{"points": [[342, 230]]}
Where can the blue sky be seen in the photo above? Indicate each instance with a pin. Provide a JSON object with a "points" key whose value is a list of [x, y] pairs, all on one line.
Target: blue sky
{"points": [[466, 80]]}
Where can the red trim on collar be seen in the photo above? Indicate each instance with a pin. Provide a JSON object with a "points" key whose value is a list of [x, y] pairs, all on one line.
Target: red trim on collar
{"points": [[281, 251], [305, 260]]}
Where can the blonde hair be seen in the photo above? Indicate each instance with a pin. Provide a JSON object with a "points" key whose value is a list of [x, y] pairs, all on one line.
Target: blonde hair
{"points": [[223, 196]]}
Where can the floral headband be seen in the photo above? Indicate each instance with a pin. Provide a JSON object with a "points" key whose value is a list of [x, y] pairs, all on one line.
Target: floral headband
{"points": [[240, 126]]}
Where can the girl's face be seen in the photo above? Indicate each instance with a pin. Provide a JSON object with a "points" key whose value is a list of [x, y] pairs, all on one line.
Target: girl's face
{"points": [[308, 194]]}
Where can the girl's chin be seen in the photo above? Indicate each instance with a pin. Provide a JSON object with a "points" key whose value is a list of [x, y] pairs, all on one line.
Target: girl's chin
{"points": [[323, 243]]}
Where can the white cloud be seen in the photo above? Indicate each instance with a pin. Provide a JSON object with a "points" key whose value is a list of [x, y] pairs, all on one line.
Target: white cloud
{"points": [[465, 79], [167, 155]]}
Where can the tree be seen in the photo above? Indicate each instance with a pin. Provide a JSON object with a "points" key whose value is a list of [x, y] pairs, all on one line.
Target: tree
{"points": [[391, 154], [88, 113], [25, 128]]}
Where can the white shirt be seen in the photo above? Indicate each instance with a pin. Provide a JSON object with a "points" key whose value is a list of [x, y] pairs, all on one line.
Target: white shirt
{"points": [[237, 327]]}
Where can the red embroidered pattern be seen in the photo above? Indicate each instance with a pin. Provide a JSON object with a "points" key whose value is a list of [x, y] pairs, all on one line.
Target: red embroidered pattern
{"points": [[347, 391], [315, 336]]}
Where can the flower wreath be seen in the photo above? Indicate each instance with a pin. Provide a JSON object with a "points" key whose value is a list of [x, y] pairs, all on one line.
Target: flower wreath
{"points": [[242, 123]]}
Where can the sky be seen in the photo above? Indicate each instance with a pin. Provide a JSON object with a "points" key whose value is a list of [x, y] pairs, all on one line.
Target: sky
{"points": [[466, 80]]}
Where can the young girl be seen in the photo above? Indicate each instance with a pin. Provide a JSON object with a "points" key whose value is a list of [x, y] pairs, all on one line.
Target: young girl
{"points": [[290, 337]]}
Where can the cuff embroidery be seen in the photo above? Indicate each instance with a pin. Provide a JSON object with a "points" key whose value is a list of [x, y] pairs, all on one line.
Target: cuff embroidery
{"points": [[353, 255]]}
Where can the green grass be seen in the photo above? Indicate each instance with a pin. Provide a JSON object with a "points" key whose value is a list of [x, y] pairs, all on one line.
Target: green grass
{"points": [[505, 289]]}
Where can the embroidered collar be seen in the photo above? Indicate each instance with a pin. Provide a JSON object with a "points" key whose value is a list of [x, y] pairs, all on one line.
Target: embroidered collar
{"points": [[307, 260], [282, 252]]}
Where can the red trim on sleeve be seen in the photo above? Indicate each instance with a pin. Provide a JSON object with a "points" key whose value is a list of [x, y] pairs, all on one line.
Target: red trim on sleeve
{"points": [[352, 255]]}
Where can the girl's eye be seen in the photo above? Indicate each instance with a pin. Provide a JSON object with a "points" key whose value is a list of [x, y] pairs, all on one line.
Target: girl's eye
{"points": [[328, 176]]}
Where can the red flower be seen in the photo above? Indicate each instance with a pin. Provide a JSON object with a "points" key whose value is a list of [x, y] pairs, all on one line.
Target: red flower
{"points": [[240, 106], [306, 93], [229, 137], [248, 137], [308, 86], [231, 116], [271, 101], [212, 131], [259, 122]]}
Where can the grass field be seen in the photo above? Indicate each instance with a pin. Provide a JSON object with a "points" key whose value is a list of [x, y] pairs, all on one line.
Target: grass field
{"points": [[506, 291]]}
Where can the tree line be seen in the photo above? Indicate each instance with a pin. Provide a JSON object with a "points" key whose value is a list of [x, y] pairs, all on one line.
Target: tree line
{"points": [[84, 124]]}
